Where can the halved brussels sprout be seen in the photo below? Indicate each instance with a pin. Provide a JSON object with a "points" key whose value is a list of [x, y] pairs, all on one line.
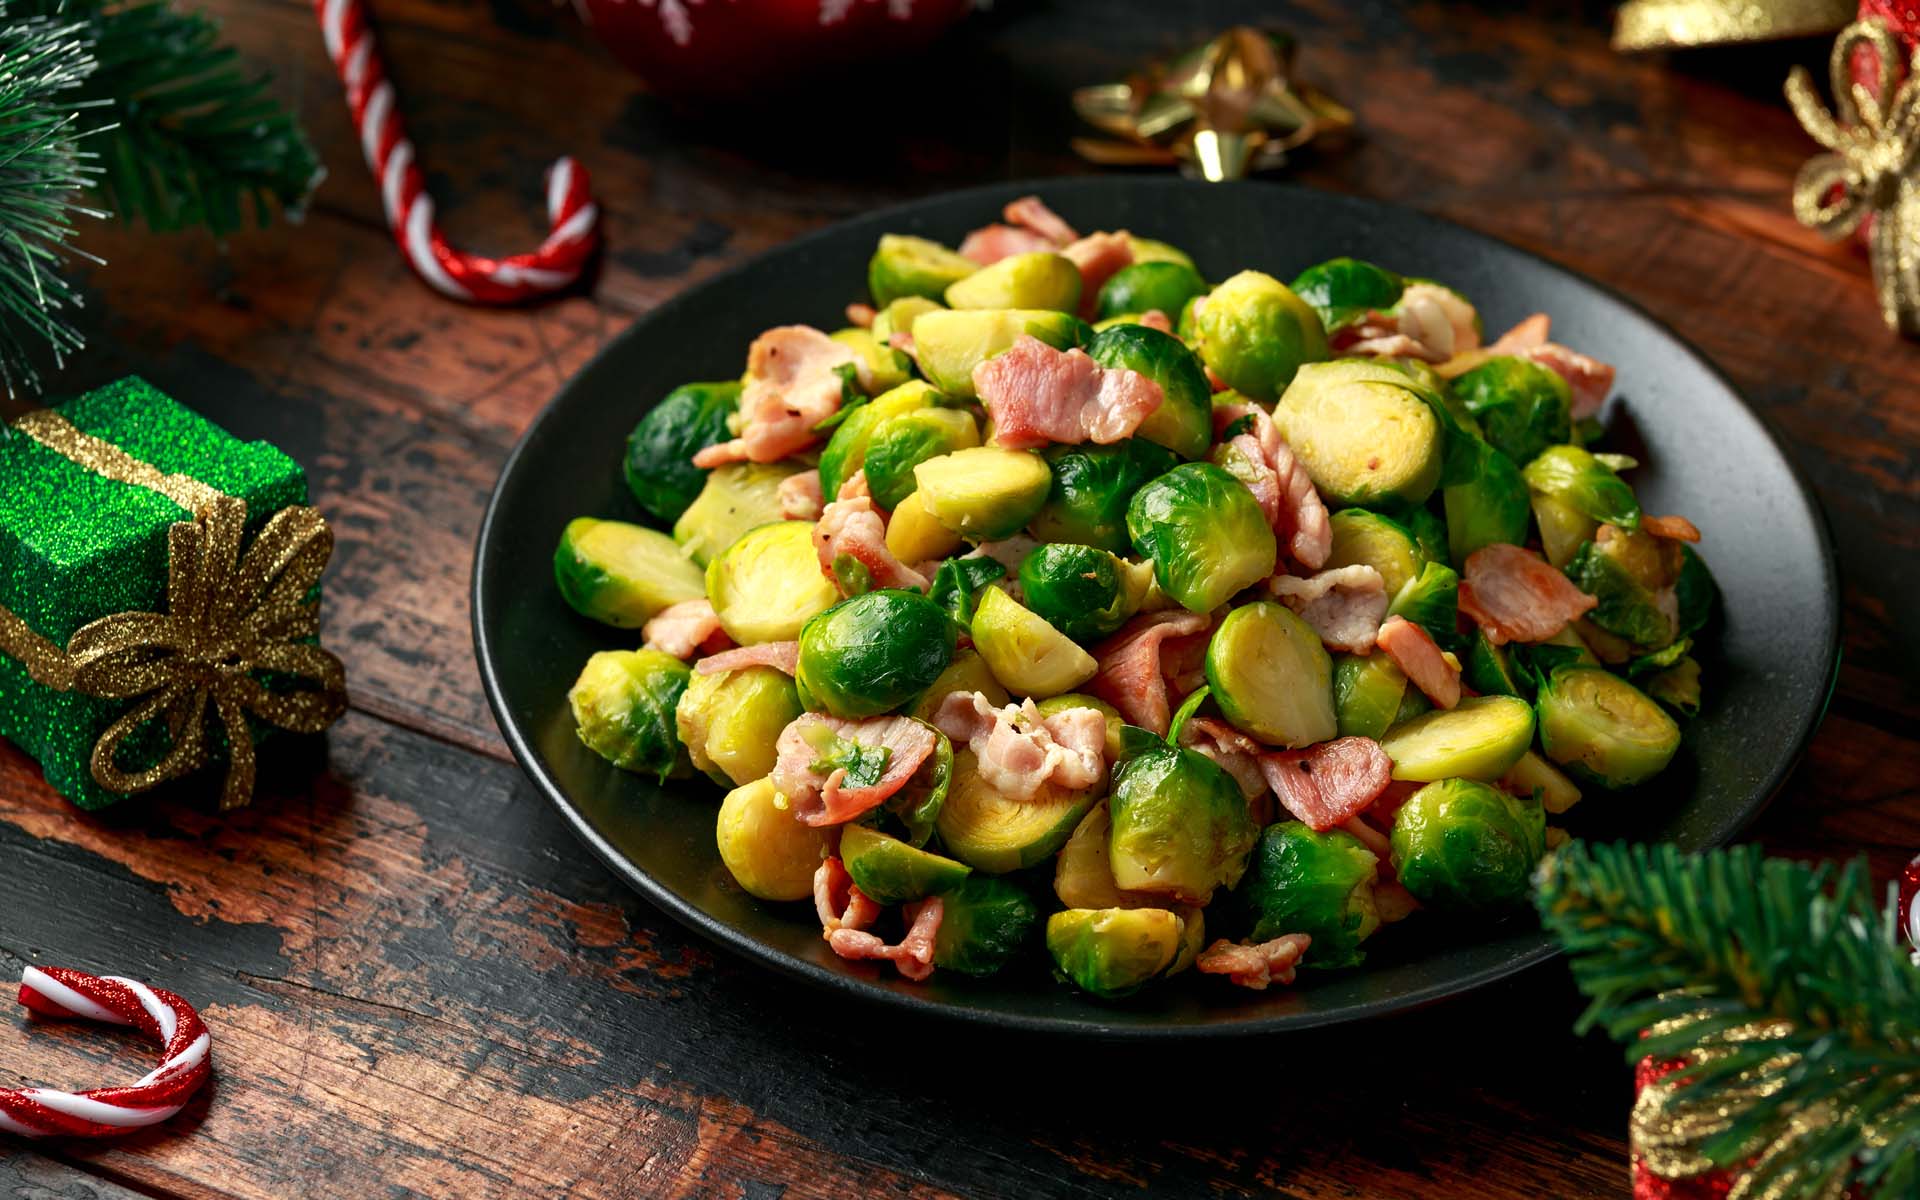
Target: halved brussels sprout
{"points": [[1603, 729], [1184, 421], [1563, 528], [1024, 652], [899, 316], [765, 847], [1254, 333], [1039, 279], [950, 345], [1149, 250], [914, 266], [1366, 433], [1490, 507], [1489, 670], [1429, 532], [1462, 844], [880, 366], [1343, 290], [1271, 676], [915, 535], [659, 464], [1413, 704], [1431, 600], [874, 652], [1083, 592], [959, 580], [1083, 871], [891, 872], [1377, 541], [1479, 738], [729, 721], [1319, 884], [738, 497], [1180, 826], [1522, 407], [768, 584], [1584, 483], [986, 492], [904, 442], [968, 672], [1367, 692], [621, 574], [1113, 952], [623, 706], [1536, 777], [846, 450], [986, 922], [993, 832], [1091, 487], [1204, 533], [1626, 608], [1147, 285]]}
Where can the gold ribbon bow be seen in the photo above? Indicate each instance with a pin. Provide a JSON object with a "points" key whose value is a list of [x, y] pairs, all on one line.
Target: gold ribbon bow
{"points": [[1873, 143]]}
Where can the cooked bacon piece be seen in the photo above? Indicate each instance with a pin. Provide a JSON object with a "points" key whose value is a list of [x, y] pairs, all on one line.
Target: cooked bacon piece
{"points": [[1369, 837], [800, 498], [851, 526], [1324, 785], [1392, 901], [1030, 212], [792, 385], [1260, 476], [839, 902], [1020, 753], [861, 315], [1674, 529], [1236, 754], [1153, 318], [818, 797], [1036, 395], [685, 628], [1344, 605], [1390, 800], [1281, 485], [1255, 966], [782, 656], [1098, 255], [913, 956], [1415, 653], [902, 341], [989, 244], [1530, 334], [1430, 323], [1514, 595], [1131, 677]]}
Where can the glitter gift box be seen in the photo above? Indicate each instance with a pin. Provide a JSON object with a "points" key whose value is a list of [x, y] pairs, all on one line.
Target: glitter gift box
{"points": [[78, 544]]}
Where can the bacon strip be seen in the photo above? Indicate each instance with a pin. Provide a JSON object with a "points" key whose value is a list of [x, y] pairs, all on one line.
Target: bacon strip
{"points": [[1344, 605], [913, 956], [1131, 677], [1675, 529], [1255, 966], [1019, 752], [1282, 486], [1429, 323], [782, 656], [1514, 595], [861, 315], [792, 385], [1369, 837], [823, 800], [1153, 318], [1098, 255], [852, 526], [1037, 395], [991, 243], [685, 629], [800, 498], [1328, 784], [838, 901], [1415, 653]]}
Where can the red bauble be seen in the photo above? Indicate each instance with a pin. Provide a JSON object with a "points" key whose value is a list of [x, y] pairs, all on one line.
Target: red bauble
{"points": [[735, 48], [1646, 1185], [1909, 913]]}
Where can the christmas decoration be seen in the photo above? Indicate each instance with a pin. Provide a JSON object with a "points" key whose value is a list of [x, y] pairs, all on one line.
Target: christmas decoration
{"points": [[571, 212], [109, 1112], [1774, 1014], [135, 644], [1673, 24], [1909, 913], [1220, 110]]}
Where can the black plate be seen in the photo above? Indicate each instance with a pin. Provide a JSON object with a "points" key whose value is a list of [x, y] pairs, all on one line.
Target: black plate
{"points": [[1768, 674]]}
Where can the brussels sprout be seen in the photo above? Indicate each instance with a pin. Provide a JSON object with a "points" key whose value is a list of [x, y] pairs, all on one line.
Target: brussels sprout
{"points": [[959, 579], [1489, 670], [1461, 844], [621, 574], [1431, 601], [1083, 592], [1039, 279], [914, 266], [968, 672], [1024, 652], [1479, 738], [1366, 433], [1563, 528], [768, 584], [729, 721], [846, 450], [764, 845], [1204, 533], [623, 710], [1184, 421], [993, 832], [1254, 333], [1429, 531], [899, 316], [950, 345], [1626, 608], [1091, 487], [1149, 250], [1413, 703], [1695, 592], [985, 924], [1491, 507], [986, 492], [915, 535], [1536, 777], [1380, 542], [738, 497], [904, 442], [1522, 407], [1603, 729], [659, 465], [1319, 884], [1271, 676], [1584, 483], [1083, 872], [1180, 826], [1343, 290], [1112, 952], [1144, 286], [880, 366], [1677, 687], [1367, 692], [874, 652], [891, 872]]}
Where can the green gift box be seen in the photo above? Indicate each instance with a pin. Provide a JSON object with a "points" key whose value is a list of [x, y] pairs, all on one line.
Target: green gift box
{"points": [[158, 595]]}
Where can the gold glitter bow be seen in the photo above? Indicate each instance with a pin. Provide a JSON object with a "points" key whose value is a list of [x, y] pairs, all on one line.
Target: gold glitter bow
{"points": [[1223, 109], [1869, 174], [230, 613]]}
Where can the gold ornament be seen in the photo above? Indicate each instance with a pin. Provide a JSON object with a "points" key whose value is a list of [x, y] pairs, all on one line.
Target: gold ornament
{"points": [[1674, 24], [1220, 111], [230, 613], [1869, 173]]}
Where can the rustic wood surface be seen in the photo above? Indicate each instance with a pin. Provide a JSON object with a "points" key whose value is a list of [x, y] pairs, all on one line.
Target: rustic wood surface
{"points": [[423, 986]]}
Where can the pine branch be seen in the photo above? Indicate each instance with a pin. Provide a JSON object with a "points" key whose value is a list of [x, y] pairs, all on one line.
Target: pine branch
{"points": [[1785, 987]]}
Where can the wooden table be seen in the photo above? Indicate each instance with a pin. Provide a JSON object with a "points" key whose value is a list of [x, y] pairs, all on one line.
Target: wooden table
{"points": [[422, 985]]}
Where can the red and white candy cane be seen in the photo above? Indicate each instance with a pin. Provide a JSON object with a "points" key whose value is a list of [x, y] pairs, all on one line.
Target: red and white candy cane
{"points": [[109, 1112], [573, 215]]}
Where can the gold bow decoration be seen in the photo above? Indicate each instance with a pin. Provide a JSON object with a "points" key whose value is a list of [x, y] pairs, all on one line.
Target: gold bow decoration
{"points": [[1873, 139], [1221, 110]]}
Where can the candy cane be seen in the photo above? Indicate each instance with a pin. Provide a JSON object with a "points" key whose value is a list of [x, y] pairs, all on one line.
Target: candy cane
{"points": [[109, 1112], [573, 215]]}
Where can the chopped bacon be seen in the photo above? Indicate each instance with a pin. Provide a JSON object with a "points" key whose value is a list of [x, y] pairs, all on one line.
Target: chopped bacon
{"points": [[1392, 901], [1369, 837], [1030, 212], [913, 955], [1389, 801], [1415, 653], [1429, 323], [684, 629], [991, 243], [800, 498], [781, 656], [1236, 754], [1036, 395], [861, 315], [792, 385], [1255, 966], [1131, 676], [1281, 484], [1344, 605], [1324, 785], [1514, 595], [1674, 529], [902, 341], [1153, 318], [840, 903], [1098, 255], [1019, 752], [1530, 334], [818, 797], [852, 527]]}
